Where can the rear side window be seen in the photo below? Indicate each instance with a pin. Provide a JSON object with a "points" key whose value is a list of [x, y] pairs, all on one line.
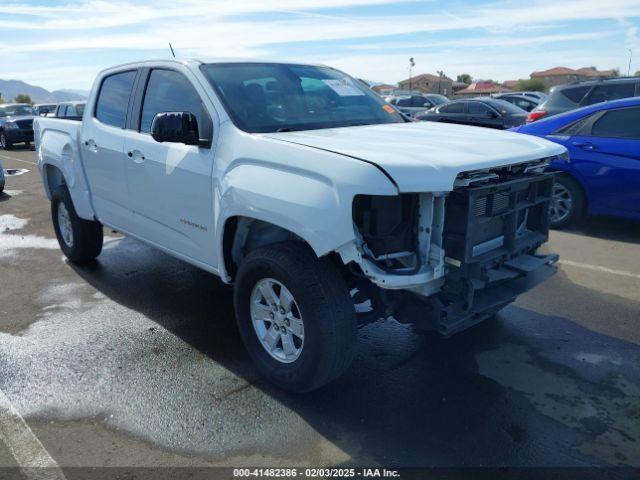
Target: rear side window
{"points": [[454, 107], [113, 100], [619, 123], [567, 98], [418, 101], [604, 93], [403, 102], [170, 91]]}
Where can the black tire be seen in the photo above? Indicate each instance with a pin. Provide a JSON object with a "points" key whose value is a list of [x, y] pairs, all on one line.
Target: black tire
{"points": [[87, 234], [573, 190], [324, 303], [5, 144]]}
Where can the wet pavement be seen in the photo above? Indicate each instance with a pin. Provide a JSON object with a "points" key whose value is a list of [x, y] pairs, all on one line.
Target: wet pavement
{"points": [[135, 360]]}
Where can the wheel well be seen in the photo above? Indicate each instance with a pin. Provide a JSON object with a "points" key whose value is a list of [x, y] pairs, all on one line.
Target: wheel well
{"points": [[54, 178], [585, 197], [244, 234]]}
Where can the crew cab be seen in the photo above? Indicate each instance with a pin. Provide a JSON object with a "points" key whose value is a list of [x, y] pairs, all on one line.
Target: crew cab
{"points": [[310, 194]]}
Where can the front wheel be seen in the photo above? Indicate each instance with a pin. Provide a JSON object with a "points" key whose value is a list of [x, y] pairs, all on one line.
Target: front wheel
{"points": [[80, 240], [5, 144], [567, 202], [295, 316]]}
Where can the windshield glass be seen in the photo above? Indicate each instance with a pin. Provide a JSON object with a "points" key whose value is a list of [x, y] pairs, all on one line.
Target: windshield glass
{"points": [[15, 110], [268, 97], [437, 98]]}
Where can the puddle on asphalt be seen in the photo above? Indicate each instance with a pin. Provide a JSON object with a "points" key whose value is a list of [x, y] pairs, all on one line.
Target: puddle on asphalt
{"points": [[609, 418], [11, 243]]}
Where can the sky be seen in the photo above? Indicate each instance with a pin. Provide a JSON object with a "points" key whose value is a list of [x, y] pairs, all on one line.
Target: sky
{"points": [[62, 44]]}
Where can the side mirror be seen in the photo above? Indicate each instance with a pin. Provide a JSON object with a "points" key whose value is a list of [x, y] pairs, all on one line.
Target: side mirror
{"points": [[178, 127], [492, 114]]}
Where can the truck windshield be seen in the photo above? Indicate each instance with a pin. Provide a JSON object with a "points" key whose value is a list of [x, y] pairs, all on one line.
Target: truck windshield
{"points": [[269, 97], [15, 110]]}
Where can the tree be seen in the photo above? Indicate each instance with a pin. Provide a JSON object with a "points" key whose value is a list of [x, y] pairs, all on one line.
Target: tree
{"points": [[616, 72], [1, 99], [532, 85], [637, 74], [22, 98], [465, 78]]}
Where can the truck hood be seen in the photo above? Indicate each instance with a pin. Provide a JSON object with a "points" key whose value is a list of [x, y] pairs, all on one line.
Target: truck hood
{"points": [[425, 156]]}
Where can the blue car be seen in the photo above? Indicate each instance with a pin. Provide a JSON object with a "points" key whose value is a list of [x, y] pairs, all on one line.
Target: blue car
{"points": [[602, 175]]}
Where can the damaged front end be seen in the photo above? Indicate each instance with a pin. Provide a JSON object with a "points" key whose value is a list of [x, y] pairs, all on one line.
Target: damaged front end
{"points": [[448, 260]]}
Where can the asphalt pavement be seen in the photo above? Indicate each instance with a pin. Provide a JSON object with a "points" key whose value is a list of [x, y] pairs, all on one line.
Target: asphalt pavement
{"points": [[136, 361]]}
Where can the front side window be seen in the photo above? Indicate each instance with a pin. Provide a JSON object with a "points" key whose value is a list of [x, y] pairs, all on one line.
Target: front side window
{"points": [[113, 99], [269, 97], [170, 91], [477, 108], [619, 123]]}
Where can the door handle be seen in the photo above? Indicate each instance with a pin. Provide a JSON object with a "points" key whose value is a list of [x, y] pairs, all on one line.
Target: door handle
{"points": [[585, 145], [136, 155], [91, 145]]}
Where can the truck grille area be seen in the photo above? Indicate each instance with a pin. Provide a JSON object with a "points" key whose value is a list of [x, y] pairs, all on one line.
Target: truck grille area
{"points": [[25, 124], [498, 220]]}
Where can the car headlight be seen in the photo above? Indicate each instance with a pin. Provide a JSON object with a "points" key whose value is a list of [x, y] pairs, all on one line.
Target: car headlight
{"points": [[10, 126], [564, 157]]}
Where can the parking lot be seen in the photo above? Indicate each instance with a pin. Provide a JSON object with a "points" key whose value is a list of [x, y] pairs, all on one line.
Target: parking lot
{"points": [[136, 361]]}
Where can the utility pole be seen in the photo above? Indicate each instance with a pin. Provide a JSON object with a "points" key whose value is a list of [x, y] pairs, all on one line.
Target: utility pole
{"points": [[411, 65], [440, 75], [629, 68]]}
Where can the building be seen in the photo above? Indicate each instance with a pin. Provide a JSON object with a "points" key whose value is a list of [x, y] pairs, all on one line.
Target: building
{"points": [[478, 89], [383, 89], [561, 75], [427, 83]]}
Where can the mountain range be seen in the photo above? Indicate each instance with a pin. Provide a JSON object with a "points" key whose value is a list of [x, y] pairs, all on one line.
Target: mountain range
{"points": [[10, 88]]}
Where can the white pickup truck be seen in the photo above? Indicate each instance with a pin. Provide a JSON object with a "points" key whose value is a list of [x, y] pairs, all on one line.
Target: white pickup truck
{"points": [[320, 203]]}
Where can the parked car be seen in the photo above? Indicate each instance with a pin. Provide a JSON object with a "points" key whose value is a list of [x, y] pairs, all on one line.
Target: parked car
{"points": [[70, 110], [564, 98], [412, 105], [16, 124], [1, 178], [602, 176], [480, 112], [45, 109], [299, 197], [525, 102]]}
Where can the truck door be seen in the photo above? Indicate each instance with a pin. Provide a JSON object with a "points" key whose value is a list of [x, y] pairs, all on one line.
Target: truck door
{"points": [[102, 138], [171, 183]]}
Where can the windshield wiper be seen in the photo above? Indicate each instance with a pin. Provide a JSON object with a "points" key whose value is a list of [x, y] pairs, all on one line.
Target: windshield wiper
{"points": [[285, 129]]}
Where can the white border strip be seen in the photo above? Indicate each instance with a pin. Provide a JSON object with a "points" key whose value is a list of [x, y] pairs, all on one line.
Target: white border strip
{"points": [[598, 268], [32, 458]]}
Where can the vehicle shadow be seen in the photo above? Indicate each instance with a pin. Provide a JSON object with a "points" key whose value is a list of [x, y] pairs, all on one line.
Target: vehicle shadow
{"points": [[608, 228], [497, 394]]}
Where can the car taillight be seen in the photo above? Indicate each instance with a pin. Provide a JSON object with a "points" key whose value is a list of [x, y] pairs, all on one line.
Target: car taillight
{"points": [[535, 115]]}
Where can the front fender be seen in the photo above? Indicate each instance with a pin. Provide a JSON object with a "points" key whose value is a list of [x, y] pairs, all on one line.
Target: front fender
{"points": [[314, 207]]}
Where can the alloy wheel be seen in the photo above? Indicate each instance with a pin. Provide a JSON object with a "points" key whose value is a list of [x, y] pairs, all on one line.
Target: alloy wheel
{"points": [[277, 320]]}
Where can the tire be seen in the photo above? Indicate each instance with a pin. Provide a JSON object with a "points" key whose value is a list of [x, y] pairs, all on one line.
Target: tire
{"points": [[320, 298], [567, 203], [83, 242], [5, 144]]}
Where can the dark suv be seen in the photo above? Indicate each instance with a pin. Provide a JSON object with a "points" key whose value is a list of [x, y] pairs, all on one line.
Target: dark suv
{"points": [[16, 124], [575, 95]]}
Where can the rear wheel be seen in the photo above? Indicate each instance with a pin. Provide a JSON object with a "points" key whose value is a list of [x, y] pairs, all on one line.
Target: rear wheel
{"points": [[295, 316], [567, 202], [79, 239]]}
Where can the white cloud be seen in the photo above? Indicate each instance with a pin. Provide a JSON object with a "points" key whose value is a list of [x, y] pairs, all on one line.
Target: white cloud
{"points": [[242, 28]]}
